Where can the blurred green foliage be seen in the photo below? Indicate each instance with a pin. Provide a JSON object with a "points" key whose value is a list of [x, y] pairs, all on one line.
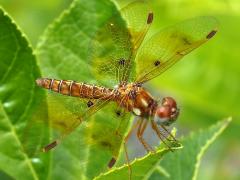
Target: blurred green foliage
{"points": [[34, 16], [205, 83]]}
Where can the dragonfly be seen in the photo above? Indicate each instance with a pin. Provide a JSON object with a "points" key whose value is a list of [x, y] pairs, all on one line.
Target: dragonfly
{"points": [[122, 60]]}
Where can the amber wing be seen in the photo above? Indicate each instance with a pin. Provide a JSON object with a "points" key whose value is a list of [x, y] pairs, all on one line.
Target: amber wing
{"points": [[168, 46], [114, 47]]}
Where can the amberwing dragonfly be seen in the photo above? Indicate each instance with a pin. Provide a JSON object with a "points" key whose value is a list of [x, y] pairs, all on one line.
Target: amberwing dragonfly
{"points": [[121, 56]]}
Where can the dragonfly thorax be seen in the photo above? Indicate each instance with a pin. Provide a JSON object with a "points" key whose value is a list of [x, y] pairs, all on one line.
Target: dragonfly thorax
{"points": [[136, 99]]}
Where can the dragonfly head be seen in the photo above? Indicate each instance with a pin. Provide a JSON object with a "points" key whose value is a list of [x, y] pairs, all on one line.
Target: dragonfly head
{"points": [[167, 112]]}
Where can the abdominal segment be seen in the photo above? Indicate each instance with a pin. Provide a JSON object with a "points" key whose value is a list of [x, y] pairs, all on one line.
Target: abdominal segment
{"points": [[72, 88]]}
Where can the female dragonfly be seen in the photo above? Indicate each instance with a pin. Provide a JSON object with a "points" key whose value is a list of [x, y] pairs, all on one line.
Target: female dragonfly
{"points": [[121, 60]]}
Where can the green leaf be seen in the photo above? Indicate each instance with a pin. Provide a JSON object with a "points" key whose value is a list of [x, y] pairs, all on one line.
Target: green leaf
{"points": [[12, 153], [18, 94], [184, 163], [142, 168]]}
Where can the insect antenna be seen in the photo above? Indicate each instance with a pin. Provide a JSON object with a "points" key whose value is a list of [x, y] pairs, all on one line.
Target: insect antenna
{"points": [[113, 160]]}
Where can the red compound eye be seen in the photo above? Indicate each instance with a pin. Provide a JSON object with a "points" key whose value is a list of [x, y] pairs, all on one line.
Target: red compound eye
{"points": [[167, 112], [164, 112], [169, 101]]}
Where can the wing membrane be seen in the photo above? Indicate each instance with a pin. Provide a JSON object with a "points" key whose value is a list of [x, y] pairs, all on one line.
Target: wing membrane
{"points": [[139, 17], [59, 115], [114, 47], [109, 132], [168, 46], [110, 51]]}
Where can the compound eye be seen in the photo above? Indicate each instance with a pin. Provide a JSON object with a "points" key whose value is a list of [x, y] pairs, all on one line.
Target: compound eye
{"points": [[169, 101], [163, 115], [164, 112], [167, 112]]}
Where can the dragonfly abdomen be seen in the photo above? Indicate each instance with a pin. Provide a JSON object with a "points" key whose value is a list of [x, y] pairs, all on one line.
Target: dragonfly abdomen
{"points": [[72, 88]]}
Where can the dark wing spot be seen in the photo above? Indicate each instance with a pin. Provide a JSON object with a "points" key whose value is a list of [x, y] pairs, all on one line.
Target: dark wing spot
{"points": [[157, 63], [150, 18], [118, 113], [211, 34], [111, 162], [89, 103], [122, 62]]}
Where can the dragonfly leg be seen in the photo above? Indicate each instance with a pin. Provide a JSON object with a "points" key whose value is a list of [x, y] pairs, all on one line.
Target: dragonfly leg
{"points": [[131, 130], [141, 129], [155, 128], [170, 134], [113, 160], [125, 145], [119, 113], [119, 124]]}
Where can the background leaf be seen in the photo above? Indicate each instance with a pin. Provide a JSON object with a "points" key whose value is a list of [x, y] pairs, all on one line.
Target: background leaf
{"points": [[184, 164], [18, 94], [142, 167]]}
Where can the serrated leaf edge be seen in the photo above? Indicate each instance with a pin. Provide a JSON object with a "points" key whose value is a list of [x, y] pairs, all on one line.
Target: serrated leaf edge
{"points": [[160, 151], [208, 143]]}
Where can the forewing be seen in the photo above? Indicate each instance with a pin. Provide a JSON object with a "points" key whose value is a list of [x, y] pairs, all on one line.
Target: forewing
{"points": [[139, 17], [114, 46], [169, 45], [110, 51]]}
